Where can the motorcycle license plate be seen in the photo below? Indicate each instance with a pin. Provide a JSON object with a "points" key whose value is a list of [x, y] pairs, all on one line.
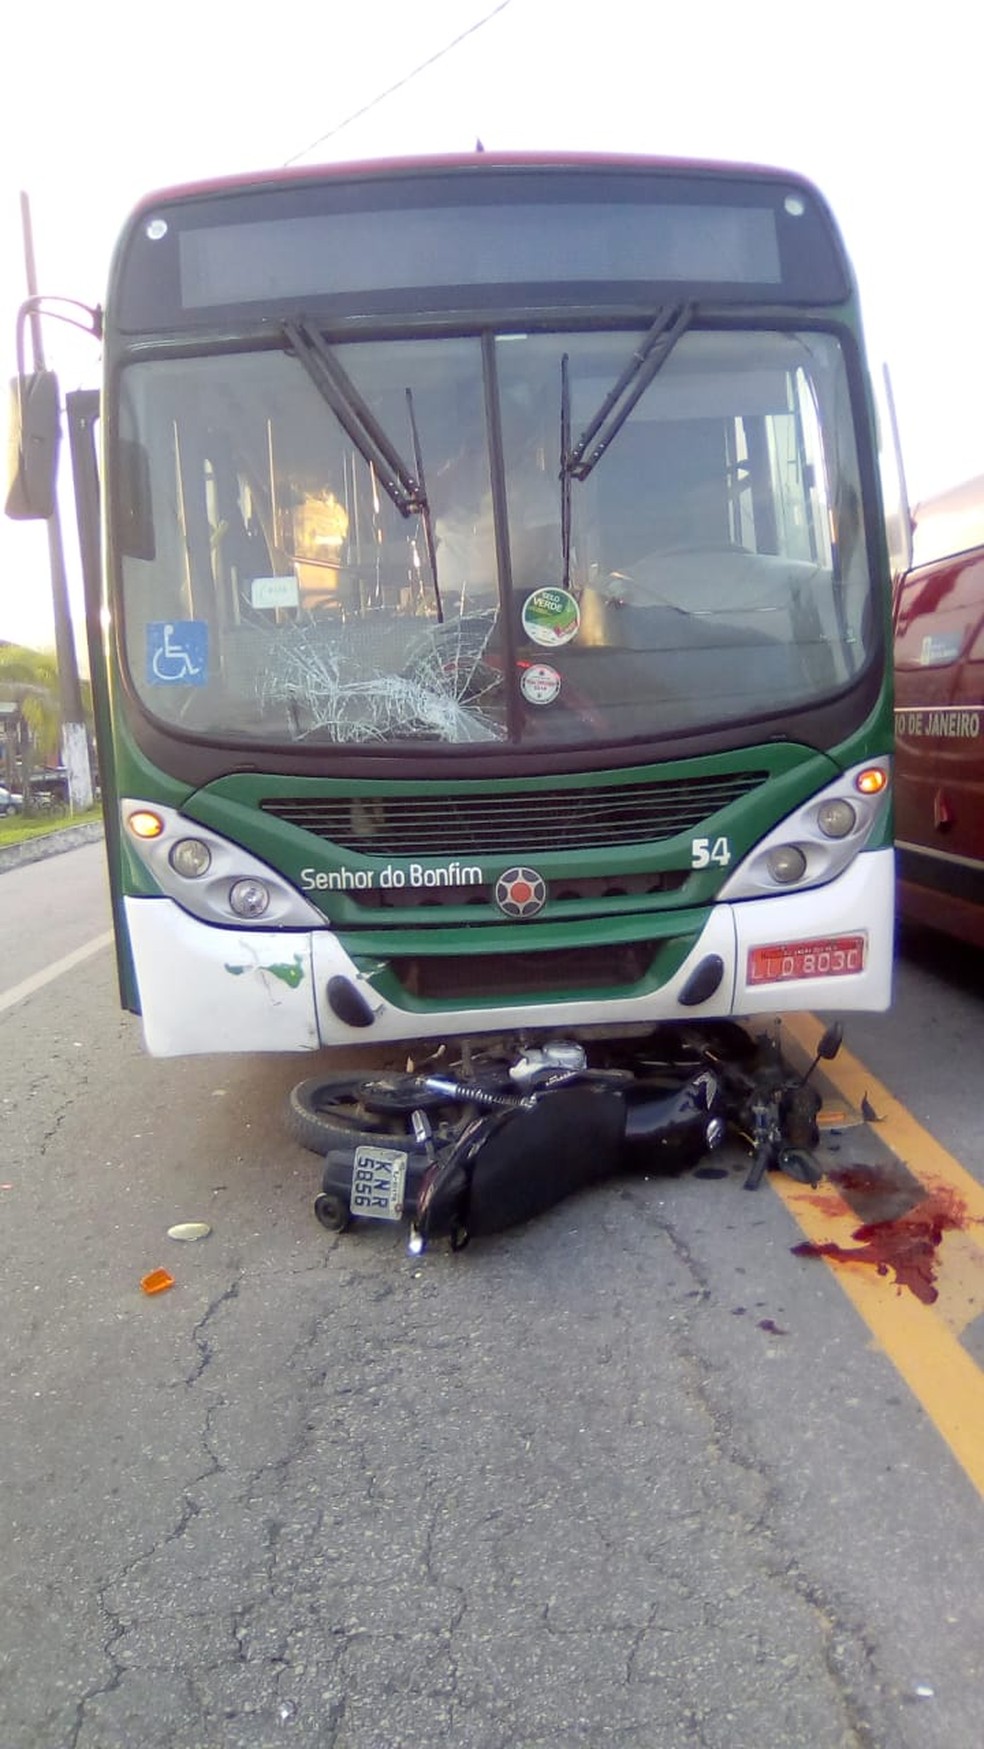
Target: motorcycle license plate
{"points": [[378, 1179]]}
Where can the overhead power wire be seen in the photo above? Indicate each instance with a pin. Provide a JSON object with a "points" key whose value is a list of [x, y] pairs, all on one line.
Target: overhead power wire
{"points": [[382, 95]]}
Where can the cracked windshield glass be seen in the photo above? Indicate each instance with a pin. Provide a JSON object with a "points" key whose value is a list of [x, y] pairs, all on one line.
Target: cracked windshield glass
{"points": [[401, 555]]}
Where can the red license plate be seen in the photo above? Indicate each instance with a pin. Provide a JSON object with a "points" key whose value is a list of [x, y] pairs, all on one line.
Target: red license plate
{"points": [[836, 956]]}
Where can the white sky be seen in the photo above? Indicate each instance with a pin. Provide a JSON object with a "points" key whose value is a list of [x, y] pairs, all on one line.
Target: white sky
{"points": [[104, 101]]}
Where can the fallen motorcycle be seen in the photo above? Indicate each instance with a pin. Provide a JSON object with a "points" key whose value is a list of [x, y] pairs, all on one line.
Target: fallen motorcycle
{"points": [[503, 1137], [771, 1107]]}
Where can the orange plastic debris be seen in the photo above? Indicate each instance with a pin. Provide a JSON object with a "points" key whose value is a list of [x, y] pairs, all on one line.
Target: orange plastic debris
{"points": [[157, 1281]]}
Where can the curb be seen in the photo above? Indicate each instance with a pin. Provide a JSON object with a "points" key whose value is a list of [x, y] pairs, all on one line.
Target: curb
{"points": [[39, 849]]}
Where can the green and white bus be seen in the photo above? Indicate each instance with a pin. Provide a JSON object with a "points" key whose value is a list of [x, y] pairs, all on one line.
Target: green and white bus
{"points": [[489, 605]]}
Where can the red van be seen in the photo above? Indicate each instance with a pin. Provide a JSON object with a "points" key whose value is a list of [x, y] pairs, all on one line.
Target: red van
{"points": [[939, 717]]}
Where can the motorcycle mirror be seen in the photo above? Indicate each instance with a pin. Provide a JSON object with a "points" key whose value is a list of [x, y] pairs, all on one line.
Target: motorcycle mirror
{"points": [[828, 1045], [831, 1041]]}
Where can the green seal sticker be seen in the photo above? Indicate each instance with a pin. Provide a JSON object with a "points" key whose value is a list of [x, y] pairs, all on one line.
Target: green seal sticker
{"points": [[551, 617]]}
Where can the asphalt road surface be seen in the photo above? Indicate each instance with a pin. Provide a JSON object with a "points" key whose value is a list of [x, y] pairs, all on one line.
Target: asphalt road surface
{"points": [[636, 1474]]}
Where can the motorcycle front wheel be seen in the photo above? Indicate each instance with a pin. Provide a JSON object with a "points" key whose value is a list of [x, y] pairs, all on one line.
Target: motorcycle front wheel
{"points": [[342, 1111]]}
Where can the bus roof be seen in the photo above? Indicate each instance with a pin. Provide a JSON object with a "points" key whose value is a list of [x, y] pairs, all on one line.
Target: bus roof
{"points": [[648, 228], [477, 163]]}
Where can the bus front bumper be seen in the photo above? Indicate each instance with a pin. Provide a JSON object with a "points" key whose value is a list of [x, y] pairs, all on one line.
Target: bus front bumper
{"points": [[205, 989]]}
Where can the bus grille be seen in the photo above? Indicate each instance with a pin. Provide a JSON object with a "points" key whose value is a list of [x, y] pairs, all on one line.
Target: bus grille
{"points": [[548, 974], [507, 823], [564, 891]]}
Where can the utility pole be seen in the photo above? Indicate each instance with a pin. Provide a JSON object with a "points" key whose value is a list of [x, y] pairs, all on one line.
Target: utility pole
{"points": [[74, 740]]}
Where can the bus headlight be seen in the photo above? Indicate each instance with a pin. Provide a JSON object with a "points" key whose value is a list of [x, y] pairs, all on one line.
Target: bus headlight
{"points": [[249, 898], [817, 841], [836, 818], [786, 864], [191, 858], [211, 877]]}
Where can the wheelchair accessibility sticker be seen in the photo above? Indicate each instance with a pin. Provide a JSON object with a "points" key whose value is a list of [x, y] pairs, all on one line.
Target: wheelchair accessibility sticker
{"points": [[177, 652]]}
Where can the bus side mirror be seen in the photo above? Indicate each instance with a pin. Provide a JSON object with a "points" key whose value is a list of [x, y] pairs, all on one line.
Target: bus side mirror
{"points": [[35, 430], [135, 507]]}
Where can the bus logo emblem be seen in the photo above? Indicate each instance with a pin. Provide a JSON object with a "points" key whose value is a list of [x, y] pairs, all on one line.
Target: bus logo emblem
{"points": [[520, 892]]}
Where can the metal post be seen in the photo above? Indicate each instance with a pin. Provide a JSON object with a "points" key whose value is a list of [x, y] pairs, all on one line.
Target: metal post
{"points": [[74, 741]]}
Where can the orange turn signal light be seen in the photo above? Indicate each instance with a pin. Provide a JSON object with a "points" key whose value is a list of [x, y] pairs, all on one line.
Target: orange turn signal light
{"points": [[143, 824], [872, 780]]}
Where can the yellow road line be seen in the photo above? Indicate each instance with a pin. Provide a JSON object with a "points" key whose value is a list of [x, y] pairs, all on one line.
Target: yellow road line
{"points": [[920, 1340], [898, 1129]]}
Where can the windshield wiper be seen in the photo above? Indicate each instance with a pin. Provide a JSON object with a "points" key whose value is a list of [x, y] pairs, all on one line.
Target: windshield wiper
{"points": [[649, 357], [358, 421], [425, 510], [355, 417], [565, 472]]}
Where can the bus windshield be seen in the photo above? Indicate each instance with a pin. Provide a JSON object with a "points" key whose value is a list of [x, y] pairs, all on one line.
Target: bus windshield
{"points": [[277, 588]]}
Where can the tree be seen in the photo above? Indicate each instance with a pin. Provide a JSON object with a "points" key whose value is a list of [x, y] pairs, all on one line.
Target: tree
{"points": [[29, 678]]}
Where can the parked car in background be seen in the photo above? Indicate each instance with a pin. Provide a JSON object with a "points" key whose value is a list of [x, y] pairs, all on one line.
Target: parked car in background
{"points": [[939, 717], [10, 801]]}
